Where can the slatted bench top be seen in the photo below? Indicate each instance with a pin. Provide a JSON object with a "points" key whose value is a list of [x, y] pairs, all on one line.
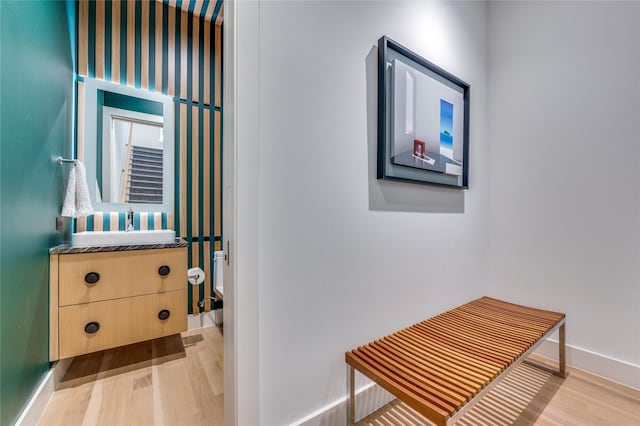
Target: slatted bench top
{"points": [[438, 365]]}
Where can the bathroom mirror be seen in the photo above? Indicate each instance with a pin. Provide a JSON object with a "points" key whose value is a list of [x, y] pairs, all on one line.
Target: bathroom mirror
{"points": [[129, 147]]}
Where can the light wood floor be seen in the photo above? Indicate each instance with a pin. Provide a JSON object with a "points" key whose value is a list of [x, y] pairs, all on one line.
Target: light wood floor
{"points": [[177, 380], [530, 396]]}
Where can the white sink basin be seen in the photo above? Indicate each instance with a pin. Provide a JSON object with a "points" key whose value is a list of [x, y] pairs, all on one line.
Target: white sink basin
{"points": [[122, 238]]}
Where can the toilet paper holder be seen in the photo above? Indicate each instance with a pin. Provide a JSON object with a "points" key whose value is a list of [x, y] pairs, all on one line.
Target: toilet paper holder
{"points": [[196, 277]]}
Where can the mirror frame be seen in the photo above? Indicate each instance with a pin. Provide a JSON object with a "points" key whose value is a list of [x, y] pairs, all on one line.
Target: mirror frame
{"points": [[91, 87]]}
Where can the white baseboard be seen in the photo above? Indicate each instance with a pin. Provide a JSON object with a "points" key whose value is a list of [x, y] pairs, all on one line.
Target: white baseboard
{"points": [[611, 369], [205, 319], [371, 397], [368, 399], [40, 398]]}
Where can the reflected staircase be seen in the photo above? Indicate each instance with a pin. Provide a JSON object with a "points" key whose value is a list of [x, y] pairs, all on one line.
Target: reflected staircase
{"points": [[144, 183]]}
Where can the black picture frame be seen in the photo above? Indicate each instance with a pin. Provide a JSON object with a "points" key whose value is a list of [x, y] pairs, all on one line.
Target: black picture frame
{"points": [[411, 91]]}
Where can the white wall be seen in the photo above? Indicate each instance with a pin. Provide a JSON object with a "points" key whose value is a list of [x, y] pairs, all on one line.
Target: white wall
{"points": [[343, 257], [565, 156]]}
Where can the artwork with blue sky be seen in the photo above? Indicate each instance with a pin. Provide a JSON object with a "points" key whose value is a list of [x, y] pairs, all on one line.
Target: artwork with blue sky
{"points": [[446, 124]]}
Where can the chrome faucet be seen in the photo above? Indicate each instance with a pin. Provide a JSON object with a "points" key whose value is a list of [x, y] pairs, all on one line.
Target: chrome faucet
{"points": [[130, 220]]}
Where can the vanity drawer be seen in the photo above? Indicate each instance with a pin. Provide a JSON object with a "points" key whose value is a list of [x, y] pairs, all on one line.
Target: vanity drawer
{"points": [[91, 277], [102, 325]]}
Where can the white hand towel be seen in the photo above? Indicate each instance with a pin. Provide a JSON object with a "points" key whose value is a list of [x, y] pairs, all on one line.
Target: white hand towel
{"points": [[76, 201], [83, 202]]}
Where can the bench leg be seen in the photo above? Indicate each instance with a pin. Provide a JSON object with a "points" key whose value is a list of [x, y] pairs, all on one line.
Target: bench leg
{"points": [[351, 397], [562, 360], [562, 346]]}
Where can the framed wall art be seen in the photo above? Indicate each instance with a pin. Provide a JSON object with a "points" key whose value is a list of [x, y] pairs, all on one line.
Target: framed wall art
{"points": [[423, 120]]}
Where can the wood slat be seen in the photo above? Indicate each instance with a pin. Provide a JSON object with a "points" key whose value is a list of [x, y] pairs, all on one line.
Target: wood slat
{"points": [[452, 397], [195, 170], [206, 171], [80, 132], [99, 47], [144, 50], [131, 42], [437, 400], [83, 42], [183, 55], [171, 52], [115, 41], [457, 384], [452, 357], [207, 63], [217, 66], [437, 365], [217, 175], [183, 170]]}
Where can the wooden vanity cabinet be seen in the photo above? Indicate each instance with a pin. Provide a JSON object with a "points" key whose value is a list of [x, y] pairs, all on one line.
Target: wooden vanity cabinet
{"points": [[101, 300]]}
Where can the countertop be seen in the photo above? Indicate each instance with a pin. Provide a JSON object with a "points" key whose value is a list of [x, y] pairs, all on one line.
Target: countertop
{"points": [[68, 249]]}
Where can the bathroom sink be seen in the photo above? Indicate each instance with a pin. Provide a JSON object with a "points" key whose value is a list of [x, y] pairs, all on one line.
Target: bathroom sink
{"points": [[122, 238]]}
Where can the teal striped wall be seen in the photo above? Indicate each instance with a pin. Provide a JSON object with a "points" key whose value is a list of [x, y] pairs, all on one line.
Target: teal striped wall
{"points": [[173, 48]]}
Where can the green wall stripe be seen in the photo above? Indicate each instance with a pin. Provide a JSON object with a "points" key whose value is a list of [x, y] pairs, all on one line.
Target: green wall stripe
{"points": [[137, 74], [201, 264], [122, 221], [123, 42], [165, 48], [216, 11], [212, 67], [106, 221], [201, 172], [176, 177], [191, 308], [151, 222], [189, 59], [91, 57], [178, 28], [98, 137], [221, 125], [163, 217], [205, 6], [152, 46], [108, 16], [131, 103], [201, 61], [90, 223]]}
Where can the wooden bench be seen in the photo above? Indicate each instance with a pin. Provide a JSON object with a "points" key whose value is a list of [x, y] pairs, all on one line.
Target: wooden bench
{"points": [[442, 366]]}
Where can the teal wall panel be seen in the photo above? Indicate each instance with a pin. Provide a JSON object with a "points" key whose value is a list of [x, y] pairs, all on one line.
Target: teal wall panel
{"points": [[36, 115]]}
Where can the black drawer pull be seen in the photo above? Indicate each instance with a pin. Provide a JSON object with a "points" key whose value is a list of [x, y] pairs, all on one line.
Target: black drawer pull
{"points": [[164, 270], [92, 327], [164, 314], [92, 278]]}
